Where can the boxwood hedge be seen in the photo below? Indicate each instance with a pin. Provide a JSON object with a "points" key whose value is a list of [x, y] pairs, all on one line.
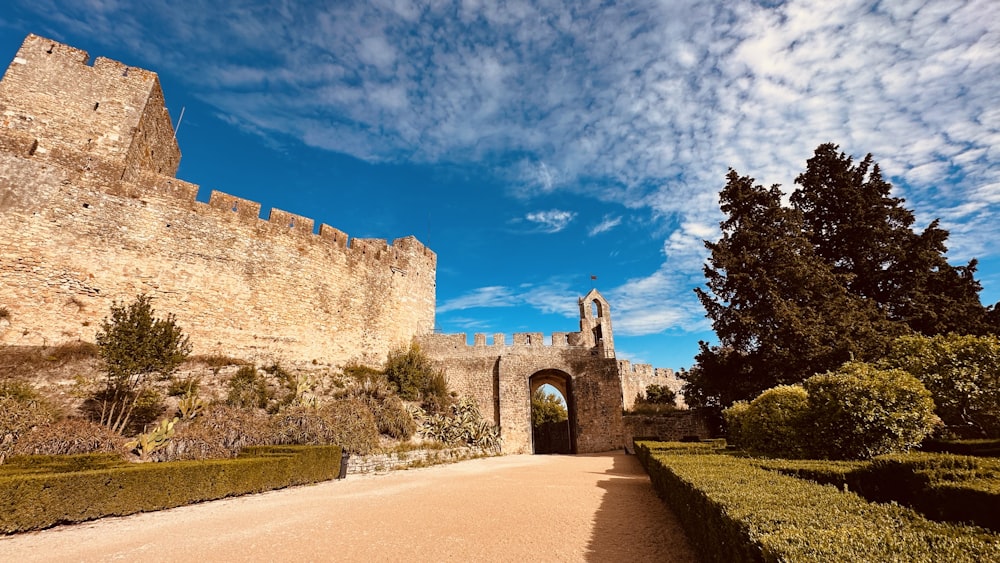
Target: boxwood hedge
{"points": [[733, 510], [42, 491]]}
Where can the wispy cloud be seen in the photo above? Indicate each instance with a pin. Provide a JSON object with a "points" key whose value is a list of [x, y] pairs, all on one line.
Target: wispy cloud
{"points": [[493, 296], [551, 221], [606, 224], [637, 102]]}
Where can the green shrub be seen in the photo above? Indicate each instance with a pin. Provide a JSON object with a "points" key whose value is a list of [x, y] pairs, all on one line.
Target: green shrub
{"points": [[135, 346], [859, 412], [660, 395], [963, 375], [734, 418], [416, 379], [247, 389], [775, 423]]}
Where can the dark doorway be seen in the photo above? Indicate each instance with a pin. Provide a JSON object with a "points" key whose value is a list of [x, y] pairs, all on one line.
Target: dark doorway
{"points": [[550, 436]]}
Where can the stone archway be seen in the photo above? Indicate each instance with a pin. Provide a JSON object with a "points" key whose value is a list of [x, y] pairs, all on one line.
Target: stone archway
{"points": [[554, 438]]}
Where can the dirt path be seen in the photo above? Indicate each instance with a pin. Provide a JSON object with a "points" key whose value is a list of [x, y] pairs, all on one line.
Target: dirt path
{"points": [[597, 507]]}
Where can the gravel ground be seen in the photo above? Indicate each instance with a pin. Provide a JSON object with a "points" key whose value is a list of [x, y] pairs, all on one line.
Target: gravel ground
{"points": [[598, 507]]}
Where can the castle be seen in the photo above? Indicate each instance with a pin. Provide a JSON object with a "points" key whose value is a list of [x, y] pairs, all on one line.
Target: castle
{"points": [[91, 212]]}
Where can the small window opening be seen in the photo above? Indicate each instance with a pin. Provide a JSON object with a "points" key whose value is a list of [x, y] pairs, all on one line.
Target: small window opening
{"points": [[96, 105], [236, 207], [291, 224], [51, 48], [125, 72], [86, 206], [594, 310], [528, 340], [34, 147]]}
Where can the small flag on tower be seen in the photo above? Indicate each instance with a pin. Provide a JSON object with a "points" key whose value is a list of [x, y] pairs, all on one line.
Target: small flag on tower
{"points": [[593, 277]]}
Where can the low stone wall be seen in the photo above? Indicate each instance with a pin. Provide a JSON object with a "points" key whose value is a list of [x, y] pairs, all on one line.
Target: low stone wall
{"points": [[379, 463], [668, 427]]}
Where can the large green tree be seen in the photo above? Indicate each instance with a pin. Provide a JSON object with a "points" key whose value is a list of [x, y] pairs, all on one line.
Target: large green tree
{"points": [[780, 313], [866, 235]]}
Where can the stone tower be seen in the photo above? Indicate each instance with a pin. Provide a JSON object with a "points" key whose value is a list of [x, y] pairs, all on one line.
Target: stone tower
{"points": [[595, 324], [106, 122]]}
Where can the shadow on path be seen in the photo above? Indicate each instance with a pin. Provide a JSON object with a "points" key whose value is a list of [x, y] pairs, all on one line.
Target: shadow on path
{"points": [[632, 523]]}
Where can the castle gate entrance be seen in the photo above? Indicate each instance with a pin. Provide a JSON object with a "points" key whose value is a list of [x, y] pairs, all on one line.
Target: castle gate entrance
{"points": [[554, 437]]}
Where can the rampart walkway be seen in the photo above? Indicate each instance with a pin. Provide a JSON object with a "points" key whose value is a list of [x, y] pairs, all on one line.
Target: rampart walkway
{"points": [[597, 507]]}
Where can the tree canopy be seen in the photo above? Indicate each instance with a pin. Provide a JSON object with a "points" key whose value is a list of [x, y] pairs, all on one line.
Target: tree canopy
{"points": [[546, 407], [837, 275]]}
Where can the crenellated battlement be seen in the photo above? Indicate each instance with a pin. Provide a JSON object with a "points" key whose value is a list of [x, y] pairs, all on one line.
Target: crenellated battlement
{"points": [[500, 343], [88, 161]]}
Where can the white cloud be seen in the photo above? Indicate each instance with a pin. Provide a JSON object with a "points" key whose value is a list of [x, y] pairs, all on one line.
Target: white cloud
{"points": [[493, 296], [606, 224], [551, 221]]}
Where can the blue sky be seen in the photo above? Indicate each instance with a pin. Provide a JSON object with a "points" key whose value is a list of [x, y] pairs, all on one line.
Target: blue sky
{"points": [[534, 144]]}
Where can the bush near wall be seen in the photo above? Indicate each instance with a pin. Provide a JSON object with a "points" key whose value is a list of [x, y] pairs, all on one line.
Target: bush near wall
{"points": [[42, 491], [735, 511], [940, 486]]}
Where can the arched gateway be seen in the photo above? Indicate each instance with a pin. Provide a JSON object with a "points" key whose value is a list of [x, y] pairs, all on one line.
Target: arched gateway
{"points": [[501, 378]]}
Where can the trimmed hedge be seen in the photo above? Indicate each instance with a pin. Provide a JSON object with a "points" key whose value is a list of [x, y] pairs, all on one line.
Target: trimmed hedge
{"points": [[940, 486], [40, 491], [978, 448], [735, 511]]}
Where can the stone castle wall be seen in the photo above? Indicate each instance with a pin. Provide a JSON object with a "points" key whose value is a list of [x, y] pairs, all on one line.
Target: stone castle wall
{"points": [[636, 377], [502, 377], [90, 213]]}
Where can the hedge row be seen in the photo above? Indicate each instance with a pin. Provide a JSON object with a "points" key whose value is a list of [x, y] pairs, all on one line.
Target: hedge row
{"points": [[86, 487], [980, 448], [940, 486], [735, 511]]}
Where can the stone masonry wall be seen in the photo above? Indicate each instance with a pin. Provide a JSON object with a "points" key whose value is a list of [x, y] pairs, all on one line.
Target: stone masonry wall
{"points": [[636, 377], [90, 213], [669, 427]]}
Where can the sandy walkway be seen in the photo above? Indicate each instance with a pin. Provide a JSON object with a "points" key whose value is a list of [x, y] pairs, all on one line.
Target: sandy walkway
{"points": [[516, 508]]}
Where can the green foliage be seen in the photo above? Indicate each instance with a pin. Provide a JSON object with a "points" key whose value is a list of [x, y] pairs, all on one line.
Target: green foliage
{"points": [[190, 405], [961, 372], [135, 346], [781, 314], [734, 511], [149, 442], [775, 423], [660, 395], [247, 389], [867, 236], [76, 490], [859, 411], [415, 378], [547, 407], [465, 426], [793, 291]]}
